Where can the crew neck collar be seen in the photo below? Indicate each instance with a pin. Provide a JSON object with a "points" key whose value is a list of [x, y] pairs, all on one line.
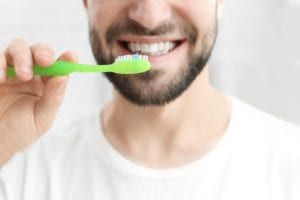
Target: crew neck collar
{"points": [[112, 157]]}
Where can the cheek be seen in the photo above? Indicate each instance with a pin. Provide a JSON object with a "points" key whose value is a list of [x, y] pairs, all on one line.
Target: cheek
{"points": [[101, 14], [98, 15], [107, 10], [200, 13]]}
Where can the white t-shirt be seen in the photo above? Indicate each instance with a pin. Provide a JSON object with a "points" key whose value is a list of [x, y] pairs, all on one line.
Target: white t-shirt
{"points": [[258, 158]]}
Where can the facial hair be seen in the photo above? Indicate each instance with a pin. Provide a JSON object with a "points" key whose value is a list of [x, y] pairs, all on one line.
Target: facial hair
{"points": [[141, 89]]}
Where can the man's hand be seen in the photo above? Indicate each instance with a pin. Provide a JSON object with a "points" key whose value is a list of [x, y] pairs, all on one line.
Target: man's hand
{"points": [[28, 104]]}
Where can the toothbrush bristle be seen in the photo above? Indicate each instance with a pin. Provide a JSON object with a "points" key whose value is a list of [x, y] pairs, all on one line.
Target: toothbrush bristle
{"points": [[129, 57]]}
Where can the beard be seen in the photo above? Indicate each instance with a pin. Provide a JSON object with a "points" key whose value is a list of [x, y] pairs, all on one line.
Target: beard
{"points": [[149, 88]]}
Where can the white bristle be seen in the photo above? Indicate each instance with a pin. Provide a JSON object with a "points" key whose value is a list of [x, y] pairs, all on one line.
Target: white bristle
{"points": [[129, 57]]}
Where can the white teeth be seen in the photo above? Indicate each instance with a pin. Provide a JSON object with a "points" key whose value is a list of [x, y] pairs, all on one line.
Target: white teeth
{"points": [[161, 46], [151, 49], [131, 46], [144, 48], [138, 47], [131, 57]]}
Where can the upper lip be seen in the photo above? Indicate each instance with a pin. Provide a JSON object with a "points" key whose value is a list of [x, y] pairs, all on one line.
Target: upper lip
{"points": [[148, 39]]}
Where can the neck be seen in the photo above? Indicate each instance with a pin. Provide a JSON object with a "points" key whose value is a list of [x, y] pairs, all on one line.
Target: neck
{"points": [[169, 135]]}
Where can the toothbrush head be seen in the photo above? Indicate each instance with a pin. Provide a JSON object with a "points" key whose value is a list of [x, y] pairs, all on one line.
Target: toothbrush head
{"points": [[131, 64]]}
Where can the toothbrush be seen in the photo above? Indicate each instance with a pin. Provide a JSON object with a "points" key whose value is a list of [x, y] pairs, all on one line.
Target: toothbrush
{"points": [[127, 64]]}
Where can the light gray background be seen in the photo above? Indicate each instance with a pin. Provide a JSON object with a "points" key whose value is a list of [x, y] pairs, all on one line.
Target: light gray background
{"points": [[257, 56]]}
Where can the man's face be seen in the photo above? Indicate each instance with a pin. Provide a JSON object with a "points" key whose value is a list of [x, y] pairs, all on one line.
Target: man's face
{"points": [[178, 36]]}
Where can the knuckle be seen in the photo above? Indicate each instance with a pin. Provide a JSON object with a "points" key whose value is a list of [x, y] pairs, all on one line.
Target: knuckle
{"points": [[17, 42], [43, 55], [17, 46], [21, 56], [42, 50], [41, 46], [16, 50]]}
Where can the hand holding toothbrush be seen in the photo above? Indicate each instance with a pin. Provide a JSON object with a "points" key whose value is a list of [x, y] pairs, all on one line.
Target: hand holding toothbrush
{"points": [[28, 104]]}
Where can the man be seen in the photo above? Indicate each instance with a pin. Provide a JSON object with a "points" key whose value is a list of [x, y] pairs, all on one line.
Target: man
{"points": [[166, 134]]}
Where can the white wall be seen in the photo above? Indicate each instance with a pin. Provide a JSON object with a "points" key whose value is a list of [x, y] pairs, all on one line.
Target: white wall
{"points": [[257, 56]]}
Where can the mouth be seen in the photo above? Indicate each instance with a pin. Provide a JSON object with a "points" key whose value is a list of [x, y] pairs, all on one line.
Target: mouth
{"points": [[151, 47]]}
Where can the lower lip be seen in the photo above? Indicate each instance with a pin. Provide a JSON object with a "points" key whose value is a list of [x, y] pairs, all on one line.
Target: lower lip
{"points": [[157, 60]]}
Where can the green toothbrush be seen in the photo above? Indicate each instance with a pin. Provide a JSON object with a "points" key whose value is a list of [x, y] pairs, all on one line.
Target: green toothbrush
{"points": [[128, 64]]}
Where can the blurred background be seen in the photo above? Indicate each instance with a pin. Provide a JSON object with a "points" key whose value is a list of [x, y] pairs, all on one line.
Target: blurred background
{"points": [[257, 56]]}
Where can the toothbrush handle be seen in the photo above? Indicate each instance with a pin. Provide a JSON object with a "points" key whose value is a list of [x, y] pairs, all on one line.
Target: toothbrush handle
{"points": [[60, 68]]}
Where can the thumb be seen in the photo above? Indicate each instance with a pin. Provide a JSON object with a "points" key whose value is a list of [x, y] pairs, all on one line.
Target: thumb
{"points": [[48, 105]]}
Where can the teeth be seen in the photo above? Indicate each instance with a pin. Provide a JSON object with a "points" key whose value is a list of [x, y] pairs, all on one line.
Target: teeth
{"points": [[151, 49], [131, 57], [145, 48], [138, 47]]}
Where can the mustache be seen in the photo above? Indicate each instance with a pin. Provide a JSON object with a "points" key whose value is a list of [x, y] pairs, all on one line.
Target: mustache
{"points": [[128, 26]]}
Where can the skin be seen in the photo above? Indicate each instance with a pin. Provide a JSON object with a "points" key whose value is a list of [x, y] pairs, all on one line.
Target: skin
{"points": [[176, 133], [28, 105], [159, 136]]}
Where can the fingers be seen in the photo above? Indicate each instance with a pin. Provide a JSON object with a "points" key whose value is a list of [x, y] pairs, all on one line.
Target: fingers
{"points": [[48, 106], [43, 54], [70, 56], [19, 54], [2, 67]]}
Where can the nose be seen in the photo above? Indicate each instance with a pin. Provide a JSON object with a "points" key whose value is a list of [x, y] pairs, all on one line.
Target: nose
{"points": [[150, 13]]}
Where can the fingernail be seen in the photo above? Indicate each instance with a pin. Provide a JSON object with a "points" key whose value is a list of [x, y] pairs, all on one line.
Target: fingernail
{"points": [[25, 72]]}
